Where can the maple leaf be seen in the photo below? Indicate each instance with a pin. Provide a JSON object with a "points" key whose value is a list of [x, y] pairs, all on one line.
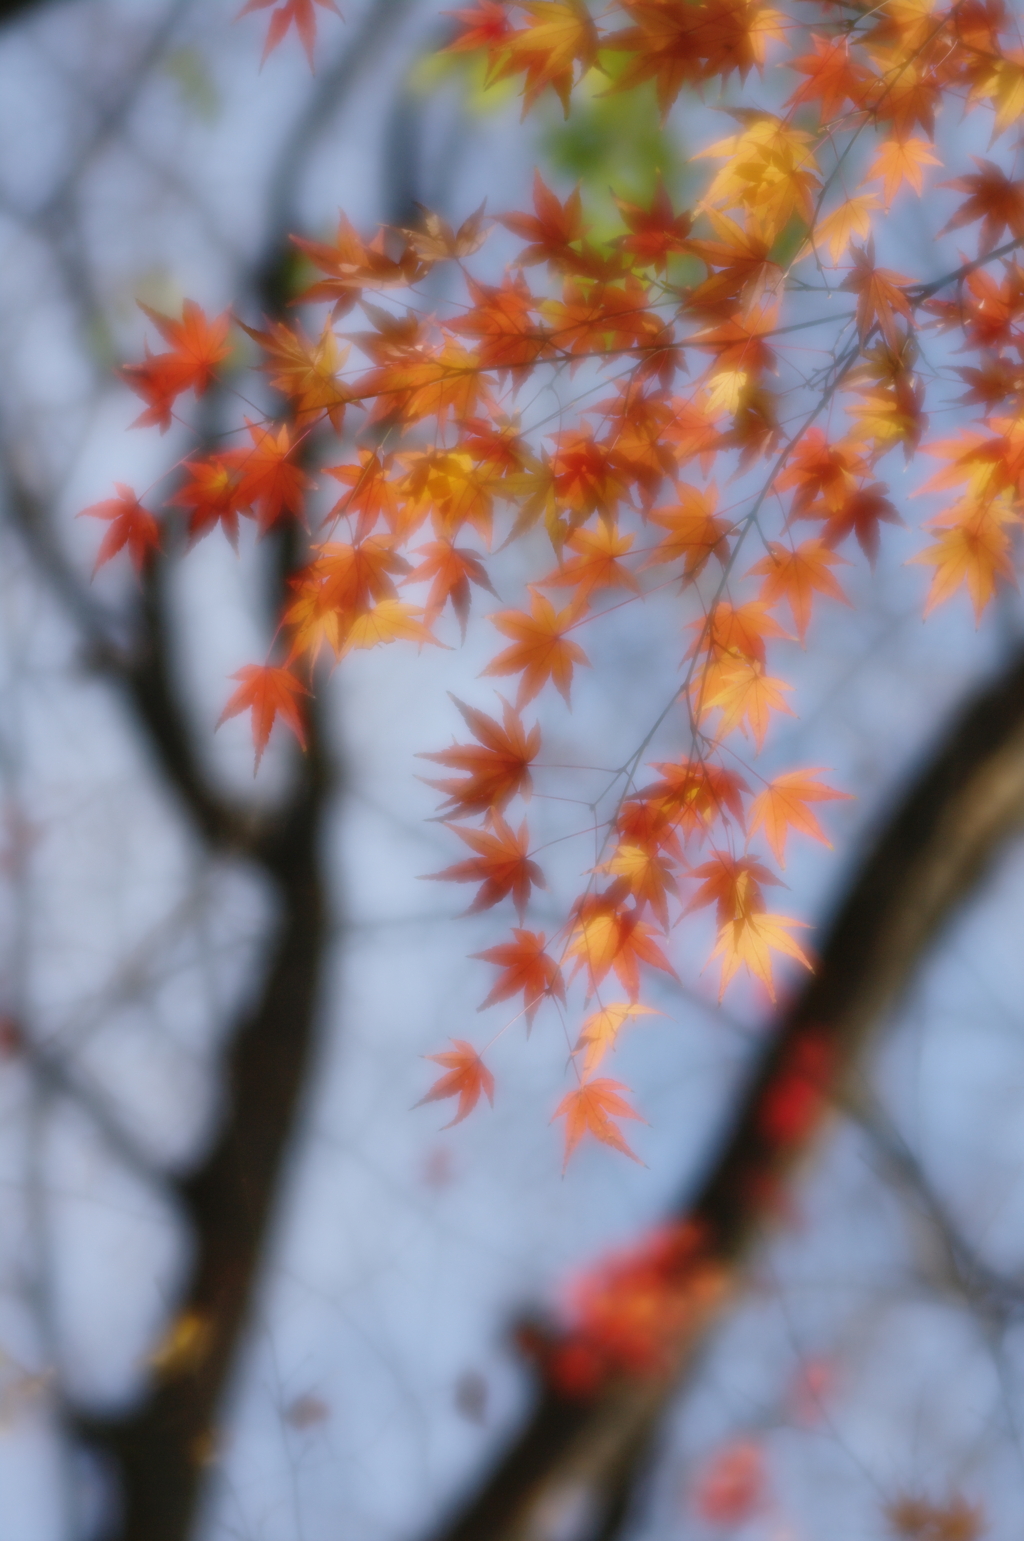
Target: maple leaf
{"points": [[305, 370], [994, 199], [770, 170], [505, 324], [647, 876], [732, 884], [527, 967], [899, 161], [816, 469], [212, 498], [746, 696], [655, 232], [608, 936], [435, 240], [562, 32], [268, 693], [297, 13], [131, 525], [837, 229], [590, 1110], [496, 769], [197, 344], [501, 866], [451, 569], [736, 631], [973, 550], [750, 940], [859, 514], [879, 295], [540, 651], [797, 575], [695, 532], [596, 565], [600, 1031], [467, 1077], [551, 230], [372, 496], [486, 24], [834, 76], [694, 795], [269, 480], [783, 805], [388, 621], [676, 45]]}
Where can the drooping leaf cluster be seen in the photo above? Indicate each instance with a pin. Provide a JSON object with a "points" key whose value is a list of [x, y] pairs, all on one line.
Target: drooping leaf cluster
{"points": [[723, 459]]}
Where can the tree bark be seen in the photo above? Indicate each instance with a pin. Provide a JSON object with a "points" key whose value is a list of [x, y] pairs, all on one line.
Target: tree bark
{"points": [[581, 1457]]}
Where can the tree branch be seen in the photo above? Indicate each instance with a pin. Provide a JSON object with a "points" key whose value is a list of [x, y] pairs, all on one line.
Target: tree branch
{"points": [[967, 800]]}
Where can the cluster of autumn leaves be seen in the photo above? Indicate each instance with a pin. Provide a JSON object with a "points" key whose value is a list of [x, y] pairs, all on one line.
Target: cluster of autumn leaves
{"points": [[694, 319]]}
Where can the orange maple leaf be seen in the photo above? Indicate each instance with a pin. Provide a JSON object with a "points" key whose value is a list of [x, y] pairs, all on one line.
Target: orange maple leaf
{"points": [[501, 866], [388, 621], [372, 496], [197, 345], [797, 575], [590, 1110], [899, 161], [596, 564], [782, 806], [451, 568], [750, 940], [496, 769], [646, 875], [269, 480], [211, 498], [305, 370], [600, 1031], [973, 550], [746, 695], [655, 232], [732, 884], [994, 199], [608, 936], [561, 33], [268, 693], [880, 296], [297, 13], [551, 230], [131, 525], [467, 1077], [540, 651], [695, 532], [527, 967]]}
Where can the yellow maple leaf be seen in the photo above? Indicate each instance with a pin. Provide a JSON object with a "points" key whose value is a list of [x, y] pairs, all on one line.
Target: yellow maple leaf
{"points": [[837, 229], [389, 621], [750, 940], [746, 696], [600, 1031]]}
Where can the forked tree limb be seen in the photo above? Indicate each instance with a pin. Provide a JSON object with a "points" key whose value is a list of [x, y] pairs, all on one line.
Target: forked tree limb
{"points": [[571, 1468]]}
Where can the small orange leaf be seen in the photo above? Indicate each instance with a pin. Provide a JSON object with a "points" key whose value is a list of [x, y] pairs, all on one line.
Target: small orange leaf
{"points": [[527, 967], [590, 1110], [600, 1032], [782, 806], [467, 1077], [268, 693], [539, 651], [131, 525]]}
